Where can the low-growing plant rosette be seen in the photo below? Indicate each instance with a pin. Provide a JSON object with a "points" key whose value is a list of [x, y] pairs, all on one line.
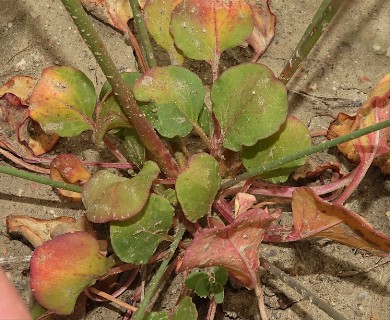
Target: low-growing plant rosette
{"points": [[247, 148]]}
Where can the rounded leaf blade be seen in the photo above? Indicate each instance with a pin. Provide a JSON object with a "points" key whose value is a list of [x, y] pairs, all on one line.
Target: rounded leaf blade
{"points": [[197, 186], [109, 197], [63, 101], [293, 137], [135, 240], [178, 95], [157, 16], [63, 267], [203, 29], [249, 103]]}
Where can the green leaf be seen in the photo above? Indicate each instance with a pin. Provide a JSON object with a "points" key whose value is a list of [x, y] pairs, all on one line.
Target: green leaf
{"points": [[203, 29], [203, 288], [197, 186], [157, 16], [206, 121], [170, 194], [219, 293], [36, 310], [194, 277], [178, 95], [128, 77], [135, 240], [160, 315], [186, 310], [293, 137], [110, 114], [109, 197], [63, 267], [220, 275], [134, 147], [249, 103], [63, 101]]}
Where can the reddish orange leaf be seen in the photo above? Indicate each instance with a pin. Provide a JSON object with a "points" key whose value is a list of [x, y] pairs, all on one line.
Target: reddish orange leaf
{"points": [[235, 247], [38, 141], [372, 148], [63, 267], [314, 217], [376, 109], [68, 168]]}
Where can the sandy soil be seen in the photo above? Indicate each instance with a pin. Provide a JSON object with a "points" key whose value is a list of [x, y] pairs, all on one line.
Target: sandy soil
{"points": [[347, 62]]}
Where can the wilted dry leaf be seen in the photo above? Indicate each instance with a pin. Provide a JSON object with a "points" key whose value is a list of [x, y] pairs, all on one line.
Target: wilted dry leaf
{"points": [[264, 28], [376, 109], [37, 231], [68, 168], [20, 86], [114, 12]]}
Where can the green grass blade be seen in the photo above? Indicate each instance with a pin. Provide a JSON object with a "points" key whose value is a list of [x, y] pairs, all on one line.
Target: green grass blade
{"points": [[304, 153], [321, 20]]}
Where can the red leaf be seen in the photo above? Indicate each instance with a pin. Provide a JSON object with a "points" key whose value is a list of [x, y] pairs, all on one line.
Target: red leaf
{"points": [[235, 247], [314, 217]]}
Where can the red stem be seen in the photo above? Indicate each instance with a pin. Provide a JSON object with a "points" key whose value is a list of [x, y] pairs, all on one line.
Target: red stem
{"points": [[224, 209]]}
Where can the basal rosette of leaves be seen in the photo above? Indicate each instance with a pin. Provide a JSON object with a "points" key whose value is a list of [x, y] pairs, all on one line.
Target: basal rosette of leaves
{"points": [[240, 124]]}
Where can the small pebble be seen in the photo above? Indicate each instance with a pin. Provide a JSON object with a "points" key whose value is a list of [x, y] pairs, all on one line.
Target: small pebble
{"points": [[313, 86]]}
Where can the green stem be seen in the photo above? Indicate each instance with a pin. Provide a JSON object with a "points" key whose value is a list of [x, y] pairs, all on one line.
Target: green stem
{"points": [[322, 18], [143, 34], [304, 153], [145, 131], [39, 179], [153, 287]]}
